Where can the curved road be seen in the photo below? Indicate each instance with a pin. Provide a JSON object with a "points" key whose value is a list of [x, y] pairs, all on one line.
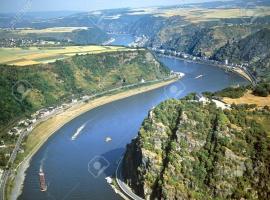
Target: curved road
{"points": [[123, 186]]}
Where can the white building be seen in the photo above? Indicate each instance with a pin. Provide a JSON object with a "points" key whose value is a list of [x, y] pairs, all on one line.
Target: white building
{"points": [[30, 128], [221, 105], [74, 100], [15, 131], [33, 120], [201, 98]]}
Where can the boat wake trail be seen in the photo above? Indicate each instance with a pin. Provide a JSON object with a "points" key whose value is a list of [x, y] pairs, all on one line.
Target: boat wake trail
{"points": [[43, 160], [79, 130], [200, 76]]}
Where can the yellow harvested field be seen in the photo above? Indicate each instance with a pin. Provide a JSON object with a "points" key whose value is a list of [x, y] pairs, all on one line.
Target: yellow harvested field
{"points": [[197, 14], [50, 30], [25, 62], [35, 55], [249, 98]]}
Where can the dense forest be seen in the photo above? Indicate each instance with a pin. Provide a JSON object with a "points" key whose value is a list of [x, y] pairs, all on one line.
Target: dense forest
{"points": [[187, 150], [54, 83], [253, 49]]}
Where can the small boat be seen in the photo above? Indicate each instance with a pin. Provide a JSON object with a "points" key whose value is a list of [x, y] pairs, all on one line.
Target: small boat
{"points": [[108, 139], [42, 182], [109, 180]]}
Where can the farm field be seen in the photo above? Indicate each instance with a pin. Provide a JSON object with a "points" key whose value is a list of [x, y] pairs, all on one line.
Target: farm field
{"points": [[249, 98], [197, 14], [37, 55], [46, 32], [50, 30]]}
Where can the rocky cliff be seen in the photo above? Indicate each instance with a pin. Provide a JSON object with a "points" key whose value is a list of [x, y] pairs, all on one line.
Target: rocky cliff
{"points": [[186, 150]]}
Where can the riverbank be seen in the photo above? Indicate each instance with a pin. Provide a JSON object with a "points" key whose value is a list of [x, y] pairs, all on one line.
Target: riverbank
{"points": [[237, 71], [44, 130], [124, 189]]}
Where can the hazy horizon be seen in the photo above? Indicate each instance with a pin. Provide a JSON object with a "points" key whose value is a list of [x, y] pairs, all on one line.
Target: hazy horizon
{"points": [[12, 6]]}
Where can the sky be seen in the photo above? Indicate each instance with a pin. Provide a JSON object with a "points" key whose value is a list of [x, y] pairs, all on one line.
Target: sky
{"points": [[81, 5]]}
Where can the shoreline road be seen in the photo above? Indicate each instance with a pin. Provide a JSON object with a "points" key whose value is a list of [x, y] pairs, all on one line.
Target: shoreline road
{"points": [[16, 149], [122, 185], [13, 156], [3, 184]]}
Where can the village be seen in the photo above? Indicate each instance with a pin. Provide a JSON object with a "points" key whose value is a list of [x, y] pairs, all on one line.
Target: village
{"points": [[24, 127], [26, 42], [241, 69]]}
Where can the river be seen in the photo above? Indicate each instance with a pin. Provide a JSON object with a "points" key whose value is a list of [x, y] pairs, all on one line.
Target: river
{"points": [[121, 39], [76, 169]]}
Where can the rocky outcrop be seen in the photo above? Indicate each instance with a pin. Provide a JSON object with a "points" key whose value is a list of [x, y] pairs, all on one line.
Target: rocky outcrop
{"points": [[186, 150]]}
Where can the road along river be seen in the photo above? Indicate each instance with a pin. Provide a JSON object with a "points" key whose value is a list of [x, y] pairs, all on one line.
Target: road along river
{"points": [[76, 167]]}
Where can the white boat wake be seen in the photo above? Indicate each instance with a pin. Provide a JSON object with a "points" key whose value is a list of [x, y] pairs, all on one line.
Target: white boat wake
{"points": [[200, 76], [79, 130], [43, 160]]}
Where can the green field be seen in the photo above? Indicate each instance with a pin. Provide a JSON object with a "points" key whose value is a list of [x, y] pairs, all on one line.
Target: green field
{"points": [[36, 55]]}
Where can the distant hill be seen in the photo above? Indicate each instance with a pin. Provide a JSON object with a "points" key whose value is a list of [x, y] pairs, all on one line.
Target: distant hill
{"points": [[200, 40], [249, 49], [254, 49]]}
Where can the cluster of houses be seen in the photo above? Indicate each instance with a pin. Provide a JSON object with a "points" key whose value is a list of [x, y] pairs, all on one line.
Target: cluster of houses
{"points": [[25, 126], [204, 59], [139, 41], [201, 59], [28, 124], [25, 42]]}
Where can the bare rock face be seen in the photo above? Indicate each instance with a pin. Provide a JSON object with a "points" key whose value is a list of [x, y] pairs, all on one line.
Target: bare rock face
{"points": [[187, 150]]}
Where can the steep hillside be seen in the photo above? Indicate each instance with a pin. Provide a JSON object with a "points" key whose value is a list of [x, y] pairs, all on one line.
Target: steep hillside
{"points": [[53, 83], [189, 151], [261, 68], [249, 49], [253, 49], [200, 39]]}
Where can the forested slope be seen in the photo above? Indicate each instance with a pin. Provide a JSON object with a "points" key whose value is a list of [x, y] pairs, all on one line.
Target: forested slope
{"points": [[187, 150], [51, 84]]}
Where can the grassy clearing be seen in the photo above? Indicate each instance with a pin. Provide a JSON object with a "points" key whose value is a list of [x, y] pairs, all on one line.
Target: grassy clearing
{"points": [[35, 55], [265, 122], [249, 98]]}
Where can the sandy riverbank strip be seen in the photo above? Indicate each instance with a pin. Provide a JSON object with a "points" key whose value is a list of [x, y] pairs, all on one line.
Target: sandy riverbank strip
{"points": [[242, 73], [44, 130]]}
